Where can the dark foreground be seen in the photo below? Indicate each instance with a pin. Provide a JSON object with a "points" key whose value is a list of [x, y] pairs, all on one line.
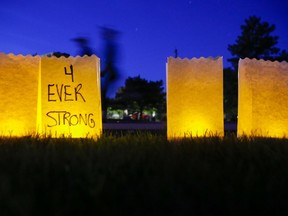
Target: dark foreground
{"points": [[143, 174]]}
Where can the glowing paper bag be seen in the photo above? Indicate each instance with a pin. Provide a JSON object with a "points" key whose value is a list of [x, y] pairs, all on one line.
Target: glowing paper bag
{"points": [[71, 99], [194, 97], [18, 94], [262, 98]]}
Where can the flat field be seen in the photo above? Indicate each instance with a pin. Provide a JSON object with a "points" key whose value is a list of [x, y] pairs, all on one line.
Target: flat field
{"points": [[143, 174]]}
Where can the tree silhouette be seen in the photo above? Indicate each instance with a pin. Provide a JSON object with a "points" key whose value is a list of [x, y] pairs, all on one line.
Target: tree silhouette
{"points": [[230, 94], [283, 56], [255, 41], [138, 94]]}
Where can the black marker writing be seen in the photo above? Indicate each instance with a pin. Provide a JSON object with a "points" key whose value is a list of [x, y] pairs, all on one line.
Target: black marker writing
{"points": [[64, 93], [71, 73], [66, 118]]}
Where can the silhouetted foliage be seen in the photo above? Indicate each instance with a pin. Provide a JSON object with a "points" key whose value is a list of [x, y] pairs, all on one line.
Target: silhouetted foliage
{"points": [[255, 41], [230, 94], [283, 56], [138, 94]]}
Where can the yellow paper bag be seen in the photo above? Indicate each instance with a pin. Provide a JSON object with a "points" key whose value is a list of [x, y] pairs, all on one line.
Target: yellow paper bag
{"points": [[18, 94], [194, 97], [262, 98], [71, 99]]}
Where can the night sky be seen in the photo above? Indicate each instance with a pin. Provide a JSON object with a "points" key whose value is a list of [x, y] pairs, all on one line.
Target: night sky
{"points": [[150, 30]]}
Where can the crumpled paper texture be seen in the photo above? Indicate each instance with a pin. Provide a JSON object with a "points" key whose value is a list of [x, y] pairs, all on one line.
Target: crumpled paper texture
{"points": [[71, 98], [262, 98], [18, 94], [195, 97]]}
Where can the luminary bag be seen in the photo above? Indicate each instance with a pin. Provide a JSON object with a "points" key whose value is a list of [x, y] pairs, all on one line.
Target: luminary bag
{"points": [[194, 97]]}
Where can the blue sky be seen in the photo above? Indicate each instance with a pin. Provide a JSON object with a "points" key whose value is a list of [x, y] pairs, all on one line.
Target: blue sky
{"points": [[150, 29]]}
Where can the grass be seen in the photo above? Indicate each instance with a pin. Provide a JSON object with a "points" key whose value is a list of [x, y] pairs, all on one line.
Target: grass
{"points": [[143, 174]]}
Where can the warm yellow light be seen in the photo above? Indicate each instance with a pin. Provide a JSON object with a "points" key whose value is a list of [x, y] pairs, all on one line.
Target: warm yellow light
{"points": [[194, 97], [71, 99], [18, 94], [50, 96], [262, 98]]}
